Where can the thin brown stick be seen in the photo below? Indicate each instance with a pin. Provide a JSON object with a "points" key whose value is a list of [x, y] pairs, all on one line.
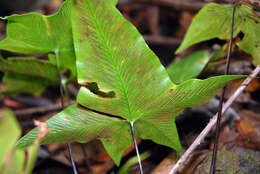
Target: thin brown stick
{"points": [[160, 40], [41, 109], [213, 121], [136, 147], [175, 4]]}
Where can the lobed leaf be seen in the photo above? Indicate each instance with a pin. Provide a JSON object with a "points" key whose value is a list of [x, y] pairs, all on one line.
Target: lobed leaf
{"points": [[158, 124], [78, 124], [203, 28], [121, 78], [113, 55], [34, 33]]}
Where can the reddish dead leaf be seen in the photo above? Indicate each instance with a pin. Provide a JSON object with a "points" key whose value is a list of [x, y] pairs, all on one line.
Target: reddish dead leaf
{"points": [[196, 158], [252, 117], [12, 104], [244, 127], [53, 147], [62, 158], [226, 139], [249, 136], [106, 163], [253, 86]]}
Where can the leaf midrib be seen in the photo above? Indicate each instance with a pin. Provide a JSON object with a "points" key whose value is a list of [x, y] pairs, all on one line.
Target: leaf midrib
{"points": [[115, 68]]}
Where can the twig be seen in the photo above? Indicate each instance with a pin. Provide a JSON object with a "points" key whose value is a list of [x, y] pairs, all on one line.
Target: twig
{"points": [[213, 121], [159, 40], [42, 109], [175, 4], [215, 149], [136, 147], [71, 159]]}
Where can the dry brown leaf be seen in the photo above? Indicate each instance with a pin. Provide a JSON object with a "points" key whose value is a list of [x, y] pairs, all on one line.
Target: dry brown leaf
{"points": [[244, 127], [249, 136], [253, 86], [197, 158], [165, 166], [12, 104]]}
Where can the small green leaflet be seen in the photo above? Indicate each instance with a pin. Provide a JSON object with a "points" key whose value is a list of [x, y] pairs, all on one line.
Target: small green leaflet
{"points": [[122, 82], [214, 21], [188, 67], [27, 75], [34, 33]]}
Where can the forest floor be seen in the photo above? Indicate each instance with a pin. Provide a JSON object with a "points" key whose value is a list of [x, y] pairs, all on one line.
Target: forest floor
{"points": [[163, 24]]}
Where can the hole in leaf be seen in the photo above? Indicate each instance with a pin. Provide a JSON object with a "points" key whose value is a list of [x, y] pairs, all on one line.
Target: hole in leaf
{"points": [[241, 35], [93, 87]]}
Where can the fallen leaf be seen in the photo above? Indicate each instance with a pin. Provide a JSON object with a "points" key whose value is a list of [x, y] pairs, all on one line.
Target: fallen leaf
{"points": [[249, 136]]}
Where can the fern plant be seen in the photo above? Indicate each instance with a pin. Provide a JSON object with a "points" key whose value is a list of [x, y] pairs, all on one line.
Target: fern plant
{"points": [[123, 83]]}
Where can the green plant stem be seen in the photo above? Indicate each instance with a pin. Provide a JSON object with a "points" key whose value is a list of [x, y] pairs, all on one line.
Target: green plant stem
{"points": [[133, 161], [215, 149], [136, 147], [62, 107]]}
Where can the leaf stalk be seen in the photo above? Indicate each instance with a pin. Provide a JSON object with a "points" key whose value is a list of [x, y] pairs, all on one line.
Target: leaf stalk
{"points": [[136, 147], [63, 106], [215, 149]]}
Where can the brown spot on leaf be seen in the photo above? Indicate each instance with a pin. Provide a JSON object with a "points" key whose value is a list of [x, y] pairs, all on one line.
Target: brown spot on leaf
{"points": [[201, 63], [183, 93], [171, 91], [42, 132], [67, 118], [212, 10], [78, 1]]}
